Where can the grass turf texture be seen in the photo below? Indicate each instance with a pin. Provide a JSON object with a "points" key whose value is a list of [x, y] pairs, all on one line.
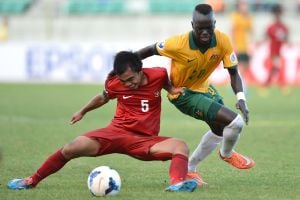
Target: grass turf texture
{"points": [[34, 123]]}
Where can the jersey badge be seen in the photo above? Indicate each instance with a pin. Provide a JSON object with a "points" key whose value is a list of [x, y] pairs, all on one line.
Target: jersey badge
{"points": [[161, 45], [233, 58], [157, 94], [199, 113]]}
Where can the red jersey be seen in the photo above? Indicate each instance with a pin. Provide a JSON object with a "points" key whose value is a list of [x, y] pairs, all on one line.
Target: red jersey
{"points": [[138, 110], [277, 33]]}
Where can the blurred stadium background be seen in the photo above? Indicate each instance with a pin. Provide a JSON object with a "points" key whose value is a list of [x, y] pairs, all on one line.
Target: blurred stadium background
{"points": [[75, 40]]}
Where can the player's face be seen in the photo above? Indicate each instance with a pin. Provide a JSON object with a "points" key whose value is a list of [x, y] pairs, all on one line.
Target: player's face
{"points": [[203, 28], [131, 79]]}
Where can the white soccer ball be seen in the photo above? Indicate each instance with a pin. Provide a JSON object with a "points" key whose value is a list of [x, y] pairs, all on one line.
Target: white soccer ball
{"points": [[104, 181]]}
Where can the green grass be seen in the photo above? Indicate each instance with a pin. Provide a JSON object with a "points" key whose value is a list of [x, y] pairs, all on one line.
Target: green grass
{"points": [[34, 122]]}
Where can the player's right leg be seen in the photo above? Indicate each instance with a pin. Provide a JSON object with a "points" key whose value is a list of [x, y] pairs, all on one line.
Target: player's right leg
{"points": [[81, 146]]}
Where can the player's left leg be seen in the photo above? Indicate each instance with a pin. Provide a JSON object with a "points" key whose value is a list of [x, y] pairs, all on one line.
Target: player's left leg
{"points": [[178, 152], [224, 127], [231, 135]]}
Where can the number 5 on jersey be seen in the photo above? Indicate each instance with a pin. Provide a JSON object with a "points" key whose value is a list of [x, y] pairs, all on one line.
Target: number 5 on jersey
{"points": [[145, 105]]}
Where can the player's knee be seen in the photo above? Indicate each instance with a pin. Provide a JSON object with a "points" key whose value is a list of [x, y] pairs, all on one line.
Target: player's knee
{"points": [[181, 148], [72, 149], [237, 123], [68, 151]]}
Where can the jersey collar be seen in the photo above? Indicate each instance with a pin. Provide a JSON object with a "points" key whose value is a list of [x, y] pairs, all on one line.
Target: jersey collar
{"points": [[195, 47]]}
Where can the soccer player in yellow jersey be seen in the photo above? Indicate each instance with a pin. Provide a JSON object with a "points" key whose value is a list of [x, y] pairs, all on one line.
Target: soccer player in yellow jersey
{"points": [[241, 32], [195, 55]]}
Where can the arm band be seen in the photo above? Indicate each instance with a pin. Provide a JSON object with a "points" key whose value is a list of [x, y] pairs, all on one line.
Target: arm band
{"points": [[240, 95]]}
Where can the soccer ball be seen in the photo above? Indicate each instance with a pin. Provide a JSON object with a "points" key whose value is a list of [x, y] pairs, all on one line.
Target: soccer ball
{"points": [[104, 181]]}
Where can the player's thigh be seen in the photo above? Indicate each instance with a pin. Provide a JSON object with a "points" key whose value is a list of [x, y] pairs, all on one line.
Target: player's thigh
{"points": [[171, 145], [81, 146], [225, 116], [243, 57], [202, 106]]}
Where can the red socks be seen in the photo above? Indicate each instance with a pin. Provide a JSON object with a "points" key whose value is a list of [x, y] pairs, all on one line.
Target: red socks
{"points": [[177, 171], [54, 163], [178, 168]]}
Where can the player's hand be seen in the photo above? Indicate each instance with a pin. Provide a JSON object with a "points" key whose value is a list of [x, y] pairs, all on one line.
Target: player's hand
{"points": [[76, 117], [176, 90], [242, 106]]}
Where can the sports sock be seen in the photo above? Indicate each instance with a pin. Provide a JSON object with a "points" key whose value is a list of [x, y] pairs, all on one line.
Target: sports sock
{"points": [[208, 143], [178, 168], [54, 163], [231, 134]]}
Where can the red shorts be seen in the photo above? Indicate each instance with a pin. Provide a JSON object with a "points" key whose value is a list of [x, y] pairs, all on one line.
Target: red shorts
{"points": [[113, 139]]}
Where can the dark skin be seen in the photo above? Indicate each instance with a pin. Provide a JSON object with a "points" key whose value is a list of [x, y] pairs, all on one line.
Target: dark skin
{"points": [[203, 31]]}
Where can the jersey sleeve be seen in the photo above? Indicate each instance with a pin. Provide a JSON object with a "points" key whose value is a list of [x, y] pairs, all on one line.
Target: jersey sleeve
{"points": [[158, 73], [108, 90], [230, 59], [168, 47]]}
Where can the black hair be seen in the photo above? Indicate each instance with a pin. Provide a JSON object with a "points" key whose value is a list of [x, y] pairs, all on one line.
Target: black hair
{"points": [[125, 59], [276, 9], [204, 9]]}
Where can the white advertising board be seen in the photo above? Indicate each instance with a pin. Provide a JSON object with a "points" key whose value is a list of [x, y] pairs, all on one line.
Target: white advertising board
{"points": [[89, 62]]}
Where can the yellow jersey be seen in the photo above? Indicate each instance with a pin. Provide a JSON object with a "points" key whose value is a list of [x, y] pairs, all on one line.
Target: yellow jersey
{"points": [[191, 66], [241, 28]]}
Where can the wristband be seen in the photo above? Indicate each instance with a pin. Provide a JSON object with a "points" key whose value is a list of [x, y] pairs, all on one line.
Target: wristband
{"points": [[240, 95]]}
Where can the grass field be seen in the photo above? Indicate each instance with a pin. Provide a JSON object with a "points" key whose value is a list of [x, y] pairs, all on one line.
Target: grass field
{"points": [[34, 121]]}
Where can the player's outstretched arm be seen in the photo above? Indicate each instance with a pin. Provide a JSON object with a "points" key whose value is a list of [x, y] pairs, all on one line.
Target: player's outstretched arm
{"points": [[147, 51], [237, 86], [94, 103], [173, 90]]}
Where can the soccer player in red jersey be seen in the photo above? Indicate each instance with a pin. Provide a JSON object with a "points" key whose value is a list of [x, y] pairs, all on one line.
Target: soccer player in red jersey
{"points": [[133, 130], [277, 33]]}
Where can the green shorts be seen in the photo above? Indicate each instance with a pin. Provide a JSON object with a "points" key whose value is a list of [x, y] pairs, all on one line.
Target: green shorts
{"points": [[243, 57], [203, 106]]}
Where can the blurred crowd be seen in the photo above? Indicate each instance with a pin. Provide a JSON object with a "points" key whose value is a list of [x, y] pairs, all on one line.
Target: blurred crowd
{"points": [[276, 34], [240, 12], [57, 7], [221, 6]]}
